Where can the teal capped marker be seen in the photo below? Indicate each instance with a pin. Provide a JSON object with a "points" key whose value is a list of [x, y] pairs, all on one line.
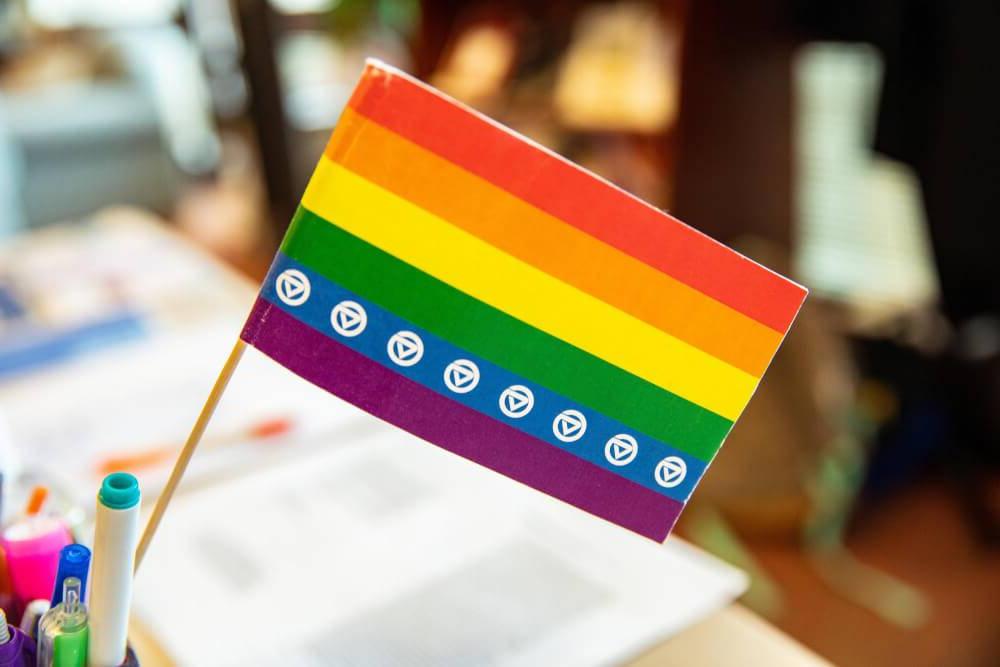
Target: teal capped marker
{"points": [[116, 533]]}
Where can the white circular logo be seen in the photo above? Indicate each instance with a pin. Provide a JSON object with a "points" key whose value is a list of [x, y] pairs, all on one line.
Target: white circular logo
{"points": [[569, 425], [461, 376], [348, 318], [516, 401], [621, 449], [405, 348], [292, 287], [670, 472]]}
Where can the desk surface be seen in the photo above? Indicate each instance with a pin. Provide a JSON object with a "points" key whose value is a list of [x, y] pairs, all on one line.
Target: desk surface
{"points": [[730, 636]]}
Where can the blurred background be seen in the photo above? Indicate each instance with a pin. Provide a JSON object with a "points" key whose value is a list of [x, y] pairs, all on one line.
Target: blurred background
{"points": [[852, 145]]}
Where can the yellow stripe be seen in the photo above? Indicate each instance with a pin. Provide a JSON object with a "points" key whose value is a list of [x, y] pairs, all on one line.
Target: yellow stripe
{"points": [[532, 296]]}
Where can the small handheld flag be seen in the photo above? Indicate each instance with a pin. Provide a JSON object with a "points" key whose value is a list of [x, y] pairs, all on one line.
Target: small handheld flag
{"points": [[464, 284], [459, 281]]}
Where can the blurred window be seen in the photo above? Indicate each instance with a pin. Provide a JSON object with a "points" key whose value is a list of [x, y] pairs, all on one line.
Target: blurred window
{"points": [[863, 235], [304, 6]]}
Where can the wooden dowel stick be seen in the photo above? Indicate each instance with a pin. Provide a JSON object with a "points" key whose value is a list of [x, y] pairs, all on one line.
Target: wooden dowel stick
{"points": [[185, 456]]}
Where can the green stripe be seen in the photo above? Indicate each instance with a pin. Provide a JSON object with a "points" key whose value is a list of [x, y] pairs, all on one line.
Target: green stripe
{"points": [[500, 338]]}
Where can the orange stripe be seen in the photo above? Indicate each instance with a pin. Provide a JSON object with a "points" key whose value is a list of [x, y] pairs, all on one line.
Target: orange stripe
{"points": [[533, 236]]}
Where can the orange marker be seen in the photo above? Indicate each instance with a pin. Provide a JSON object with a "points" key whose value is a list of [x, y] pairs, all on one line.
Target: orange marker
{"points": [[38, 496], [267, 428]]}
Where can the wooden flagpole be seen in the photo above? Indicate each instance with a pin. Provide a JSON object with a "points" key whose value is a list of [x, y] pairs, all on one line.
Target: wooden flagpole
{"points": [[192, 443]]}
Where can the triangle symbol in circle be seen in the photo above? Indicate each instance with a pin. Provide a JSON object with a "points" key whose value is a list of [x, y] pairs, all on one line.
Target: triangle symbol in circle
{"points": [[348, 319]]}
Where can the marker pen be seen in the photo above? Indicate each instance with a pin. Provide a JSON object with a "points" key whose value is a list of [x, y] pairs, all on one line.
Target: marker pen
{"points": [[63, 631], [32, 544], [74, 561], [16, 650], [116, 533]]}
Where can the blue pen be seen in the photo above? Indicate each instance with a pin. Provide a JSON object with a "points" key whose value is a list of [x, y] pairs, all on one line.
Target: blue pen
{"points": [[74, 561]]}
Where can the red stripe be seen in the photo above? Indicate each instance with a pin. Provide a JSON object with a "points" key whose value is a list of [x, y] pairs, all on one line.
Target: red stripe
{"points": [[572, 194]]}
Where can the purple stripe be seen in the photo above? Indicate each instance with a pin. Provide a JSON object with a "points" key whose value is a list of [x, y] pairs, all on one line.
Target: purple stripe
{"points": [[461, 430]]}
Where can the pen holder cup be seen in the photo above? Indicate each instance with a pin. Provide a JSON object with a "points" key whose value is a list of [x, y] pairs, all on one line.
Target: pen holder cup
{"points": [[130, 659]]}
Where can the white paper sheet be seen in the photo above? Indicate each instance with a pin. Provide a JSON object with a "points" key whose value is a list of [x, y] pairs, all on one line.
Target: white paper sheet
{"points": [[388, 551]]}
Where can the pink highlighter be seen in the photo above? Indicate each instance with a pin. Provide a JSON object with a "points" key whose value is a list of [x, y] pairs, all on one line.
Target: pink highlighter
{"points": [[32, 544]]}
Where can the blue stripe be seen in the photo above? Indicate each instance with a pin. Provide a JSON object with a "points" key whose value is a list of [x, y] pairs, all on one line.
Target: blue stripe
{"points": [[439, 353]]}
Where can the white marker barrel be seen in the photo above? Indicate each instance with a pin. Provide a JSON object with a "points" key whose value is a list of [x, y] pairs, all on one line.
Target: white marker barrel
{"points": [[116, 533]]}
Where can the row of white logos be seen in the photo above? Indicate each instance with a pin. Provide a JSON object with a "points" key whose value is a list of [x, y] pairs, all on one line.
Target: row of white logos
{"points": [[405, 348]]}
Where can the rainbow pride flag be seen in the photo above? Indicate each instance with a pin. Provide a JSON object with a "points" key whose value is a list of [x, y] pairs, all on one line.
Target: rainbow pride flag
{"points": [[461, 282]]}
